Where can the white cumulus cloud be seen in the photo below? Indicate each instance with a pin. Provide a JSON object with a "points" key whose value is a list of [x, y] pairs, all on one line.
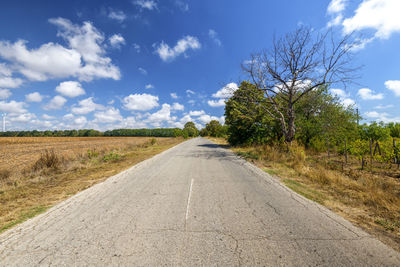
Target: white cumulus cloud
{"points": [[335, 10], [80, 121], [177, 106], [383, 117], [226, 91], [116, 40], [9, 82], [5, 93], [86, 106], [223, 94], [394, 86], [336, 6], [6, 79], [24, 117], [117, 15], [368, 94], [84, 57], [379, 15], [48, 117], [343, 96], [196, 113], [55, 103], [207, 118], [12, 107], [70, 89], [108, 116], [164, 114], [34, 97], [140, 102], [166, 53], [216, 103], [146, 4]]}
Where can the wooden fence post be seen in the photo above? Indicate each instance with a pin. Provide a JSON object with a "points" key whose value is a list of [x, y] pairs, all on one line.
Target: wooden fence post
{"points": [[377, 147], [327, 142], [370, 151]]}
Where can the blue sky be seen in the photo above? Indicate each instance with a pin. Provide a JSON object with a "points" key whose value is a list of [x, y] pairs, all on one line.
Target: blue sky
{"points": [[152, 63]]}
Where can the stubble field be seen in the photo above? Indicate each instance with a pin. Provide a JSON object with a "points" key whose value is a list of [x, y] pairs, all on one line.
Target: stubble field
{"points": [[38, 172], [18, 153]]}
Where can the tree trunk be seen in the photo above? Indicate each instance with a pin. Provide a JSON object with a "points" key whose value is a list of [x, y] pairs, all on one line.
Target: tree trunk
{"points": [[328, 145], [291, 128]]}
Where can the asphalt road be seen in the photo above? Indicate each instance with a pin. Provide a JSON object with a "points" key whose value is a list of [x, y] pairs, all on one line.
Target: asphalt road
{"points": [[195, 204]]}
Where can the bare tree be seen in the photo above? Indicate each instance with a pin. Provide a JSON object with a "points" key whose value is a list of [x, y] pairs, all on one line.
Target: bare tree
{"points": [[295, 65]]}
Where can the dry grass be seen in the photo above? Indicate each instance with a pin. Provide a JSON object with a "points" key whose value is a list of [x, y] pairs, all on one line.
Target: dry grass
{"points": [[37, 173], [368, 198]]}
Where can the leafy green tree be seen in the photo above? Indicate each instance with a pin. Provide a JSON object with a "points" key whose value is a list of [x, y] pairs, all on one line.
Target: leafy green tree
{"points": [[203, 132], [375, 132], [191, 129], [189, 124], [394, 129], [246, 118], [321, 117], [215, 129]]}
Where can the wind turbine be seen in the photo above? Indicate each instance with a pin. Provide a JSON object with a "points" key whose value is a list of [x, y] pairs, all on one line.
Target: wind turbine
{"points": [[4, 121]]}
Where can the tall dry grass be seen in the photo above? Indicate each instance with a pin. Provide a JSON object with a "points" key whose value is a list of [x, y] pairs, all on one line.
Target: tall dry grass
{"points": [[370, 199]]}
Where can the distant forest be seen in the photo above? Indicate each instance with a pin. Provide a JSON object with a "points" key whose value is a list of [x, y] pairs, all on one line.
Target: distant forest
{"points": [[160, 132]]}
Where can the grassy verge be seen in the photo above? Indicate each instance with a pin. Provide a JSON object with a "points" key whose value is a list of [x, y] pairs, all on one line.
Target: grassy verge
{"points": [[53, 178], [368, 199]]}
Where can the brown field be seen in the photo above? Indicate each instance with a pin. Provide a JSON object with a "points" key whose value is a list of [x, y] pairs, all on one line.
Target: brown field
{"points": [[369, 198], [17, 153], [38, 172]]}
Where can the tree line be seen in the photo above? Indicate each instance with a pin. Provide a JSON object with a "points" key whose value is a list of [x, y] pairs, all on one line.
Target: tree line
{"points": [[159, 132], [213, 128]]}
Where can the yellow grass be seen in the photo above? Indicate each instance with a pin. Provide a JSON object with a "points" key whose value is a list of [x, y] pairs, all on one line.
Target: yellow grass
{"points": [[38, 172]]}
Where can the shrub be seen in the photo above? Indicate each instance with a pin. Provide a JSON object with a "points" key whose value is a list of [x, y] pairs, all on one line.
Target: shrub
{"points": [[92, 154], [153, 141], [48, 160], [185, 134], [112, 156], [297, 155], [359, 148], [318, 144]]}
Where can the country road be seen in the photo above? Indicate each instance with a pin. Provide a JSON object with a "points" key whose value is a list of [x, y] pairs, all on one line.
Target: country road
{"points": [[194, 204]]}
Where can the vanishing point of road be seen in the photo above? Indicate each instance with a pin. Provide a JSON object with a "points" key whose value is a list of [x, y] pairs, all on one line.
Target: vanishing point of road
{"points": [[195, 204]]}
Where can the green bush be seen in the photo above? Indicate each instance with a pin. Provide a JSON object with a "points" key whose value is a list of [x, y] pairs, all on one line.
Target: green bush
{"points": [[112, 156], [92, 154]]}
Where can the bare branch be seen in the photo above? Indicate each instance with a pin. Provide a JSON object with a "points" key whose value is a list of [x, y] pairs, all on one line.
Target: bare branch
{"points": [[297, 64]]}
